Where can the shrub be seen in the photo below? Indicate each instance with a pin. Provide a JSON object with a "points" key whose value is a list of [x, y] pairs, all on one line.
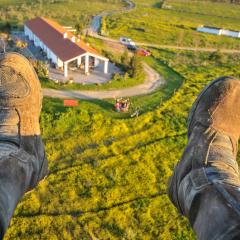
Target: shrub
{"points": [[137, 67], [40, 67]]}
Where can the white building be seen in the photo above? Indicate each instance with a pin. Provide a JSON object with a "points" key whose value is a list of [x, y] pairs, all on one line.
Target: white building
{"points": [[230, 33], [61, 46], [219, 31], [211, 30]]}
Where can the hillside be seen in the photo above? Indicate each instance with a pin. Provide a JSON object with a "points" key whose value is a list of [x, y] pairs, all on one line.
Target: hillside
{"points": [[109, 172], [108, 176]]}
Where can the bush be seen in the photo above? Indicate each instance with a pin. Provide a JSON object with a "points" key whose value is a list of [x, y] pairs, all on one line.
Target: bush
{"points": [[125, 58], [137, 67], [40, 67]]}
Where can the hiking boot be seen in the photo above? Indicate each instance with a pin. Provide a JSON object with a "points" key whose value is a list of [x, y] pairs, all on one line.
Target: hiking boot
{"points": [[22, 157], [208, 171]]}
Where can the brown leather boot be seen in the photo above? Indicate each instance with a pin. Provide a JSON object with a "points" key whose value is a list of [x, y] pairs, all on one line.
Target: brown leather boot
{"points": [[22, 157], [205, 183]]}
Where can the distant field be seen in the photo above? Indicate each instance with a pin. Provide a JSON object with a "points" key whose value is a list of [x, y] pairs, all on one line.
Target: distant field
{"points": [[65, 11], [175, 24], [223, 10]]}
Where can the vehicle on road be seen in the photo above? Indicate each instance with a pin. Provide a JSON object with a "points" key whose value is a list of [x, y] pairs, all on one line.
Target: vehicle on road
{"points": [[143, 52], [131, 47], [128, 43], [125, 40]]}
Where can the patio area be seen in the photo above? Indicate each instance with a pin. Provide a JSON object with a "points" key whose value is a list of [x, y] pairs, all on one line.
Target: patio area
{"points": [[95, 75]]}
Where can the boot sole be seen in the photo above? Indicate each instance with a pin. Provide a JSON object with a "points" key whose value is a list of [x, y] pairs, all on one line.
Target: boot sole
{"points": [[35, 82], [195, 104]]}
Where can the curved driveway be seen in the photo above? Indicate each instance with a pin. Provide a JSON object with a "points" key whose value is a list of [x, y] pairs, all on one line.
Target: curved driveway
{"points": [[153, 80]]}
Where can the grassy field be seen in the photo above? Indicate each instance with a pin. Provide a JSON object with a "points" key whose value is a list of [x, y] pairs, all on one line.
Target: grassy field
{"points": [[108, 172], [176, 22], [215, 9], [67, 12]]}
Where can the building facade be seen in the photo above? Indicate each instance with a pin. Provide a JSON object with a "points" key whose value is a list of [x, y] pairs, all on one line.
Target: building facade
{"points": [[61, 46]]}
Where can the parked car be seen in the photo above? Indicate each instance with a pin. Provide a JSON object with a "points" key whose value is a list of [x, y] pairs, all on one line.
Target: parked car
{"points": [[126, 41], [143, 52]]}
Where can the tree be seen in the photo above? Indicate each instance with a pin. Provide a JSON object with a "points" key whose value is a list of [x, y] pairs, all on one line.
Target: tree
{"points": [[125, 58], [136, 65], [79, 28], [103, 26], [40, 67], [7, 27]]}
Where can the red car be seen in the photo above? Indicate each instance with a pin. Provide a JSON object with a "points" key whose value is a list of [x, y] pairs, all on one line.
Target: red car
{"points": [[143, 52]]}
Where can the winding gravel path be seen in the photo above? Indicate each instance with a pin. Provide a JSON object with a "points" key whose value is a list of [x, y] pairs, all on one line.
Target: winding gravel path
{"points": [[153, 80]]}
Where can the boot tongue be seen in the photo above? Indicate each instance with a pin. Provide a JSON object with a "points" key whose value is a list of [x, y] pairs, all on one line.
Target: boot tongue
{"points": [[9, 126]]}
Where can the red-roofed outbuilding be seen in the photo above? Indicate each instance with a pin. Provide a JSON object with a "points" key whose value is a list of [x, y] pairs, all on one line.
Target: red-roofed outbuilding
{"points": [[61, 45]]}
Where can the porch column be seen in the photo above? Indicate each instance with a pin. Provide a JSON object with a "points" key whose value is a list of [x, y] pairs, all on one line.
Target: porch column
{"points": [[79, 61], [65, 69], [106, 66], [96, 62], [87, 63]]}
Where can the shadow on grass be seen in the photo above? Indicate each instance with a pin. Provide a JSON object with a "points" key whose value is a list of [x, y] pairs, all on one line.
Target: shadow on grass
{"points": [[158, 4]]}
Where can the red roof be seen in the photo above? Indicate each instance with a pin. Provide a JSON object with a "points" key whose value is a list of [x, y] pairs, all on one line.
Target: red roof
{"points": [[51, 34]]}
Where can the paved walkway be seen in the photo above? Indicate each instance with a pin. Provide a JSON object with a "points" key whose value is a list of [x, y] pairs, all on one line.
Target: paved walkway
{"points": [[153, 80]]}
